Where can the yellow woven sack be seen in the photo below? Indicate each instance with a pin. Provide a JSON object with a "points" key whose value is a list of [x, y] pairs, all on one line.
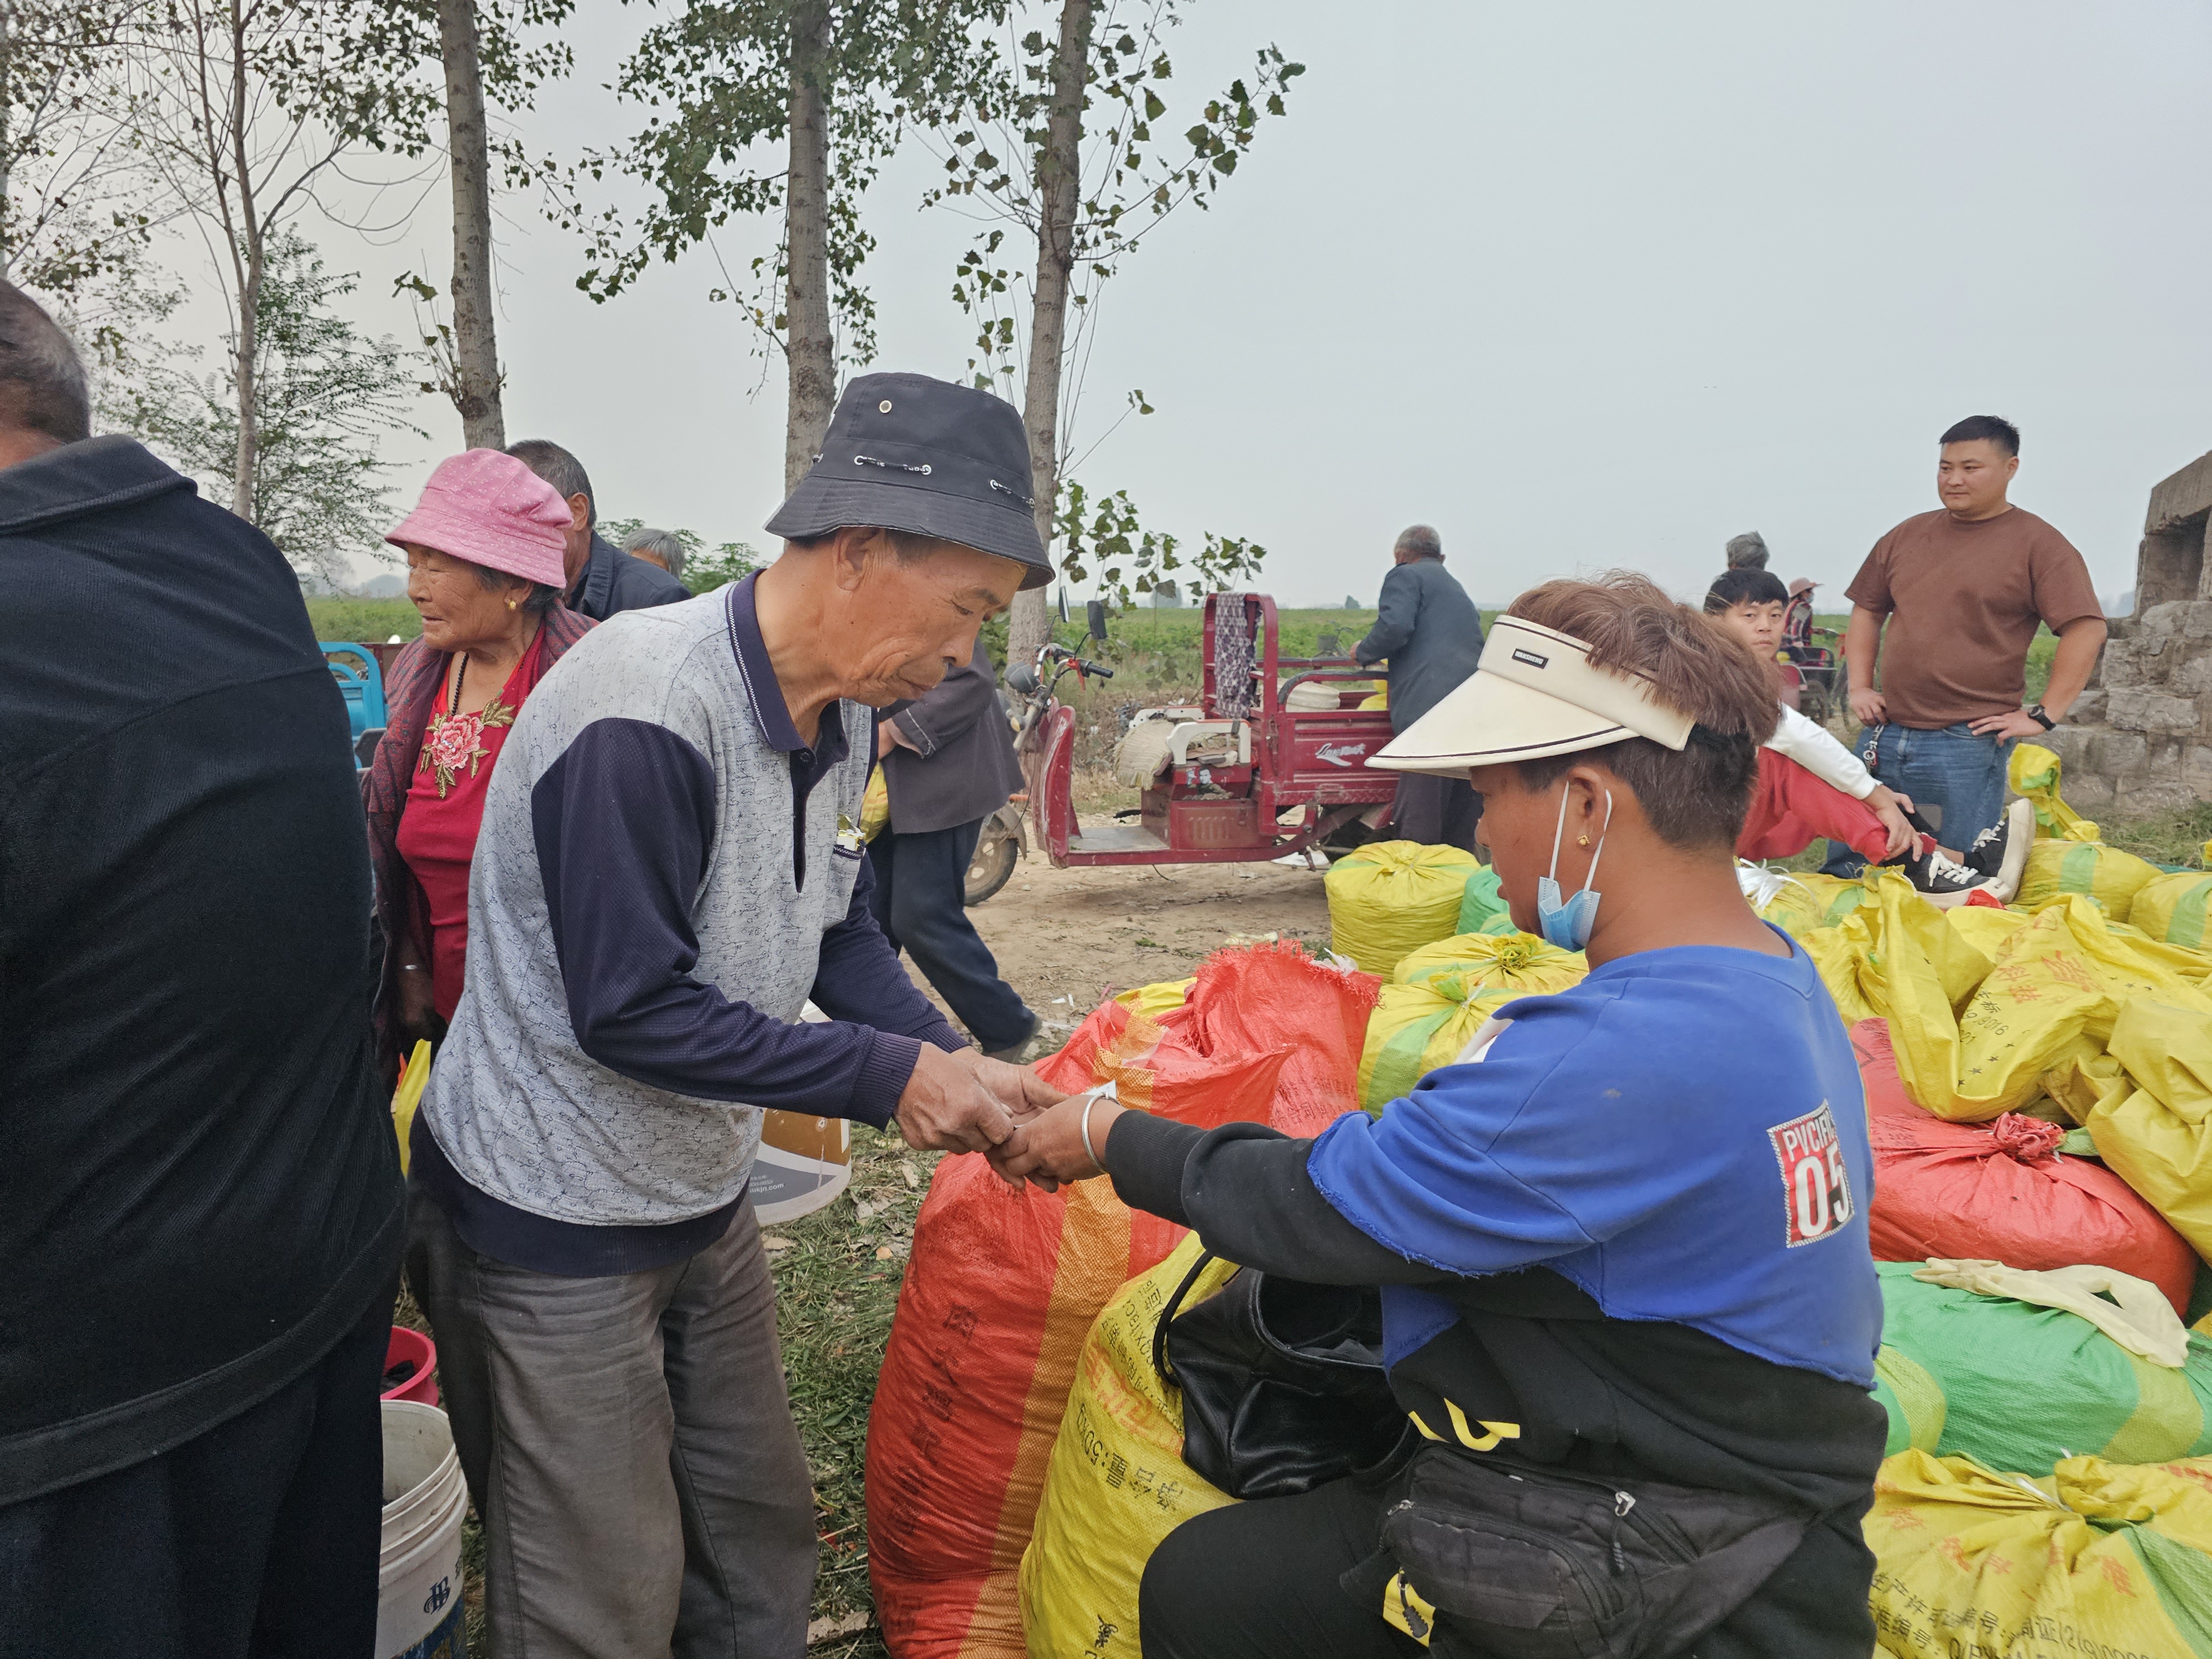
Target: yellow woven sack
{"points": [[1983, 927], [1153, 1001], [2100, 1559], [408, 1095], [2150, 1120], [2033, 772], [1897, 957], [1520, 962], [2172, 909], [1811, 901], [2052, 991], [2104, 875], [1446, 991], [1393, 896], [876, 806], [1116, 1485]]}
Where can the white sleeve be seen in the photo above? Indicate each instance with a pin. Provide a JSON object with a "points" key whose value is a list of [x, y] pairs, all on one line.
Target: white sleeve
{"points": [[1818, 750]]}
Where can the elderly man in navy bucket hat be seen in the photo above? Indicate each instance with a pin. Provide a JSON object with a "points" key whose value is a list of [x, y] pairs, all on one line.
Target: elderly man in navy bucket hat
{"points": [[668, 872]]}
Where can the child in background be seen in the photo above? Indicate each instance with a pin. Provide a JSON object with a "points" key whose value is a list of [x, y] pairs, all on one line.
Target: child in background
{"points": [[1811, 786]]}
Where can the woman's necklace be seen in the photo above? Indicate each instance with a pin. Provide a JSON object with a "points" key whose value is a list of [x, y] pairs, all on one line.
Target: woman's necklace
{"points": [[454, 740]]}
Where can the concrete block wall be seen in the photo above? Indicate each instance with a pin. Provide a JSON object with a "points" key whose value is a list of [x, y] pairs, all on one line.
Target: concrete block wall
{"points": [[2138, 743]]}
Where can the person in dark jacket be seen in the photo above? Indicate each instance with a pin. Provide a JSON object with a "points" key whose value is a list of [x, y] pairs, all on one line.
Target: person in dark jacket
{"points": [[200, 1208], [1619, 1249], [948, 759], [602, 578], [1431, 634]]}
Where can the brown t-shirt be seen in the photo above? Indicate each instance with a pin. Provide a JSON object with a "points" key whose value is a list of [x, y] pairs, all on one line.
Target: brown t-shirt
{"points": [[1963, 601]]}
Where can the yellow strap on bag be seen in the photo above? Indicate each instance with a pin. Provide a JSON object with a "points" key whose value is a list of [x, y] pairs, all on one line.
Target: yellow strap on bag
{"points": [[2104, 1558], [408, 1095]]}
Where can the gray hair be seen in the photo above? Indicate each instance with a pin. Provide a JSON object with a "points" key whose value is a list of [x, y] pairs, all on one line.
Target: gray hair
{"points": [[538, 601], [1421, 541], [1747, 551], [42, 381], [661, 545], [560, 469]]}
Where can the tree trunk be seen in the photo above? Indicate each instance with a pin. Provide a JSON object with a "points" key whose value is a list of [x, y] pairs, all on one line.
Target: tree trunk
{"points": [[249, 279], [811, 352], [476, 349], [1059, 178], [7, 106]]}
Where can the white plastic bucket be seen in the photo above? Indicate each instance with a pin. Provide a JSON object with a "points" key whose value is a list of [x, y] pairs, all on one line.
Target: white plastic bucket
{"points": [[418, 1609], [803, 1162]]}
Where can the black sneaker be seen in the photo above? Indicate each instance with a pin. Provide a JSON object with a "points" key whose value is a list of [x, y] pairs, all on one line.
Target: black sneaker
{"points": [[2000, 851], [1942, 882]]}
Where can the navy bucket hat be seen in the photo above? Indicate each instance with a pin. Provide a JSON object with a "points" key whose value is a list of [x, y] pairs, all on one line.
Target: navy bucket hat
{"points": [[904, 452]]}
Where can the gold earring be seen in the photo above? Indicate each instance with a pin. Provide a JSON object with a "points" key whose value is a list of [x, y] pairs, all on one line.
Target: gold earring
{"points": [[514, 603], [1582, 840]]}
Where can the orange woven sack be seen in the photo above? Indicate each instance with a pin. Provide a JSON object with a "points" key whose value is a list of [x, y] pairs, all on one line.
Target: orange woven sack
{"points": [[1002, 1287]]}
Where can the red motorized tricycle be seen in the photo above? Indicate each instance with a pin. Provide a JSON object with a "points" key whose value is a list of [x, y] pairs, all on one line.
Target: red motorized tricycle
{"points": [[1271, 736]]}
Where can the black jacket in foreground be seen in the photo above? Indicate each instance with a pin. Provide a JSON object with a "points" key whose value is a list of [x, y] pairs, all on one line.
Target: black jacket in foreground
{"points": [[961, 766], [1603, 1396], [614, 581], [201, 1192]]}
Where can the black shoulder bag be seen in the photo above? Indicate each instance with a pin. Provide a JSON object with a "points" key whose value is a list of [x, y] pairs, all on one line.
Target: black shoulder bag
{"points": [[1481, 1555], [1282, 1381]]}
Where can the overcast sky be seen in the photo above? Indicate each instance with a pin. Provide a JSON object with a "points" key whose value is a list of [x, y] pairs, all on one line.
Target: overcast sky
{"points": [[1582, 285]]}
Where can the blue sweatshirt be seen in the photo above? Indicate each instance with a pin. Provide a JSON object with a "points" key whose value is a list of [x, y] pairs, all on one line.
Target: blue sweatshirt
{"points": [[1682, 1136]]}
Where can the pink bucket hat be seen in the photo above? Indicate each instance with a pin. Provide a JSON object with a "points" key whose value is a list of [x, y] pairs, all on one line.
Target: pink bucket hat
{"points": [[488, 507]]}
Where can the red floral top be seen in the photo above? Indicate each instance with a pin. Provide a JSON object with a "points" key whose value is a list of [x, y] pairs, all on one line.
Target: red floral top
{"points": [[444, 810]]}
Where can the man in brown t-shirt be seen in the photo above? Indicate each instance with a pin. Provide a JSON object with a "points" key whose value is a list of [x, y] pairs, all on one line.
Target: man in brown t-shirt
{"points": [[1960, 593]]}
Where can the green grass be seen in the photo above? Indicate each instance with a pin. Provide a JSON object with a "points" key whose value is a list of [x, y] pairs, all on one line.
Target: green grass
{"points": [[369, 621], [2177, 838]]}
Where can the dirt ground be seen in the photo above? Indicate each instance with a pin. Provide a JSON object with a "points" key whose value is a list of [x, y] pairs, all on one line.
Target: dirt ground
{"points": [[1067, 939]]}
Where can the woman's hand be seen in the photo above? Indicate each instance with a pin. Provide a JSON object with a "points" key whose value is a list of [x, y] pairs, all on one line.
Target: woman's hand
{"points": [[1050, 1148], [416, 1007]]}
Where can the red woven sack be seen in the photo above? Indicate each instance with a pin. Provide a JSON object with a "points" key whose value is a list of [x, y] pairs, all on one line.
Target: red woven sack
{"points": [[1885, 1088], [1003, 1285], [2003, 1192]]}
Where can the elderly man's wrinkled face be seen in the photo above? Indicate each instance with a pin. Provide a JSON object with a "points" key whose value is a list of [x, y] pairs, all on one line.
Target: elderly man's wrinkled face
{"points": [[904, 624]]}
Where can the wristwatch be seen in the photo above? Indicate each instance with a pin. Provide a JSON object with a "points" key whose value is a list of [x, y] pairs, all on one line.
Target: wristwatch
{"points": [[2035, 712]]}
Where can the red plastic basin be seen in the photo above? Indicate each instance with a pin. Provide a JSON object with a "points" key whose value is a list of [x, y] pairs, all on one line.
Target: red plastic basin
{"points": [[419, 1354]]}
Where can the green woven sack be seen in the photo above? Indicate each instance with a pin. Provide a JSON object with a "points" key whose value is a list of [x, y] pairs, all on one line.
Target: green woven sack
{"points": [[2171, 908], [1482, 907], [2019, 1387]]}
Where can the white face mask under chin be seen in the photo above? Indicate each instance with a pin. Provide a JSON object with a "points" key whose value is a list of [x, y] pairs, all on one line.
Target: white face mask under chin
{"points": [[1569, 924]]}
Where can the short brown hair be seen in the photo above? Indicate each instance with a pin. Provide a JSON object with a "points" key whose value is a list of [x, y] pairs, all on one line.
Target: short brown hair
{"points": [[1698, 797]]}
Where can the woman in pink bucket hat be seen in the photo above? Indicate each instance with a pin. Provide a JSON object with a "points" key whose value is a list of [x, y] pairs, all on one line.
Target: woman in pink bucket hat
{"points": [[483, 550]]}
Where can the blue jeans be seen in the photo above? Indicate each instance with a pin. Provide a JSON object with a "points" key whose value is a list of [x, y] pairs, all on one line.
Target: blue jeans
{"points": [[1953, 771]]}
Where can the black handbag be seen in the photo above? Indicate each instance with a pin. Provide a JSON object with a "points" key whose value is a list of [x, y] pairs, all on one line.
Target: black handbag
{"points": [[1282, 1382], [1502, 1557]]}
